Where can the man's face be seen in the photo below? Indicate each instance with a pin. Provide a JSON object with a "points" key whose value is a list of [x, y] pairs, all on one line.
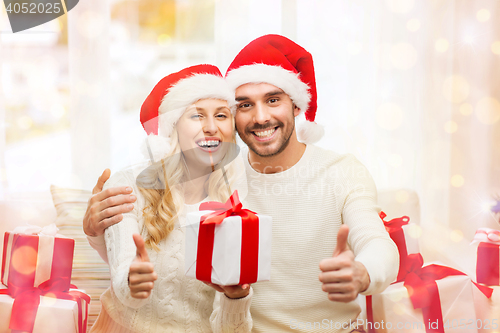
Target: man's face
{"points": [[265, 118]]}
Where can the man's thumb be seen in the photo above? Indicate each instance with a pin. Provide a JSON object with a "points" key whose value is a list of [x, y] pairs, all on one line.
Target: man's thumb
{"points": [[341, 240], [100, 182], [142, 254]]}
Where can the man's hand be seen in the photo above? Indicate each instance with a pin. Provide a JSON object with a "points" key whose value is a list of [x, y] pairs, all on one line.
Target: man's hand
{"points": [[141, 275], [238, 291], [105, 208], [343, 278]]}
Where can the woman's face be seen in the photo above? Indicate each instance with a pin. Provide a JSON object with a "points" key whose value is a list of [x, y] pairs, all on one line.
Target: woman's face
{"points": [[202, 129]]}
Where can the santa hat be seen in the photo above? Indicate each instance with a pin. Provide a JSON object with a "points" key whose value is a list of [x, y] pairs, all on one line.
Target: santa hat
{"points": [[277, 60], [171, 96]]}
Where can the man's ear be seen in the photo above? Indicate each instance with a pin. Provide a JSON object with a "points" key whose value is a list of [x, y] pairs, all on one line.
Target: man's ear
{"points": [[296, 110]]}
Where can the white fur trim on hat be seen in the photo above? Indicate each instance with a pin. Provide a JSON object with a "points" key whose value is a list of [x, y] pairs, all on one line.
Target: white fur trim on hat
{"points": [[186, 92], [309, 132], [155, 147], [286, 80]]}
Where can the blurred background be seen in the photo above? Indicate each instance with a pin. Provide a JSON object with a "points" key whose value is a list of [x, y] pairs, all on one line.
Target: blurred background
{"points": [[412, 88]]}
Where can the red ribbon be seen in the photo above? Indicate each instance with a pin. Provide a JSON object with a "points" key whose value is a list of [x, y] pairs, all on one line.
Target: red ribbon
{"points": [[27, 300], [423, 291], [249, 241], [394, 228], [488, 264]]}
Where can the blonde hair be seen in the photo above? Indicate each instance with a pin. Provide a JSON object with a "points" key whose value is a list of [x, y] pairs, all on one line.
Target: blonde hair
{"points": [[164, 192]]}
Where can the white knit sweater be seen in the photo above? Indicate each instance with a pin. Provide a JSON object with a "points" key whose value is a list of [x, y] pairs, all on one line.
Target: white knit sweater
{"points": [[177, 303], [308, 204]]}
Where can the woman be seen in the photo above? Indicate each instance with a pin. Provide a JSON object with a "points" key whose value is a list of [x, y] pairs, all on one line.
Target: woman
{"points": [[192, 112]]}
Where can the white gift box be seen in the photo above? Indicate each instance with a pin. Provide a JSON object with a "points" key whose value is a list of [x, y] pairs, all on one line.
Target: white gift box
{"points": [[226, 260], [53, 315], [463, 305]]}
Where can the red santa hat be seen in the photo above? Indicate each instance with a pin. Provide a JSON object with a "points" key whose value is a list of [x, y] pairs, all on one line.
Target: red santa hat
{"points": [[172, 95], [277, 60]]}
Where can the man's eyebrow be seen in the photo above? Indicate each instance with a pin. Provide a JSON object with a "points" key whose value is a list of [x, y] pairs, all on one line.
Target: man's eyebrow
{"points": [[271, 93], [274, 93]]}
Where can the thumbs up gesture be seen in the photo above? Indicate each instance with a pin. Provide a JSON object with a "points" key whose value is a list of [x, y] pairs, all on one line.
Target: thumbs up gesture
{"points": [[342, 277], [141, 275]]}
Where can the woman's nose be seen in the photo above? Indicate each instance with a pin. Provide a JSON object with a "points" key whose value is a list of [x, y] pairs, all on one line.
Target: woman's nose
{"points": [[209, 126]]}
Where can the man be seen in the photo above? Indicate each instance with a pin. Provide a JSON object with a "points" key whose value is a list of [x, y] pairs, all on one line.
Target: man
{"points": [[325, 215]]}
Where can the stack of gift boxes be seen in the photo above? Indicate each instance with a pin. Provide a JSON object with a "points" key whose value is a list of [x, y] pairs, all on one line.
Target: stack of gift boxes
{"points": [[36, 293], [432, 297]]}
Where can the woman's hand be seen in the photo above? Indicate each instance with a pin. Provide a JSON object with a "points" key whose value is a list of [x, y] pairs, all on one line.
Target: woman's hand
{"points": [[238, 291], [141, 275]]}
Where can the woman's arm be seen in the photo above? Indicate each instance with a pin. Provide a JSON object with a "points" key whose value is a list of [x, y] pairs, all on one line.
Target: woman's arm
{"points": [[121, 249], [231, 315]]}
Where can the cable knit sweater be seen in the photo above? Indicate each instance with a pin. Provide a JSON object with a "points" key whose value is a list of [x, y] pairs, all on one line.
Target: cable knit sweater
{"points": [[308, 203], [177, 303]]}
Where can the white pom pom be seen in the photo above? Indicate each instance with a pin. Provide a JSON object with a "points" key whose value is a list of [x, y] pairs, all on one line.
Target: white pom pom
{"points": [[309, 132], [159, 147]]}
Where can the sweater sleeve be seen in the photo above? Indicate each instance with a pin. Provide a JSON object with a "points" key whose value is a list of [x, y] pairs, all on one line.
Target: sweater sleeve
{"points": [[99, 244], [121, 249], [370, 242], [231, 315]]}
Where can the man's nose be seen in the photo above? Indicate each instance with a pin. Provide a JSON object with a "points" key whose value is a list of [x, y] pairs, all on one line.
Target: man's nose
{"points": [[261, 115]]}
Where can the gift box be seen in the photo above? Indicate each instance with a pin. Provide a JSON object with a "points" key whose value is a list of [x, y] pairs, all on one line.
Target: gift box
{"points": [[33, 255], [433, 298], [53, 315], [402, 232], [37, 262], [228, 245], [488, 256]]}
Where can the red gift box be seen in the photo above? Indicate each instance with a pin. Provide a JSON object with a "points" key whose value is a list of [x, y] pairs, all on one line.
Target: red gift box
{"points": [[38, 262], [422, 284], [228, 245], [488, 256]]}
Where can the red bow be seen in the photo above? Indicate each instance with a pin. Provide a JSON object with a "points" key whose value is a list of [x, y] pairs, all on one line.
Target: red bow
{"points": [[27, 300], [393, 227], [249, 241]]}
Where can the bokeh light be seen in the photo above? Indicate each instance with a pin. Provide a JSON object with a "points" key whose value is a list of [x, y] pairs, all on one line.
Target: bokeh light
{"points": [[441, 45], [403, 56], [23, 260], [483, 15], [397, 294], [456, 89], [450, 127], [414, 231], [164, 39], [400, 6], [488, 110], [413, 25], [389, 116], [457, 181], [456, 235], [495, 47], [466, 109]]}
